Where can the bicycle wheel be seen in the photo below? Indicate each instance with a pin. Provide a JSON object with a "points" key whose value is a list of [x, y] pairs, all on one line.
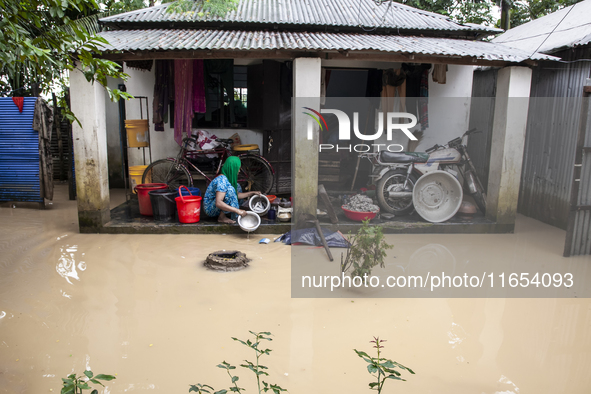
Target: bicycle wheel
{"points": [[169, 172], [255, 174]]}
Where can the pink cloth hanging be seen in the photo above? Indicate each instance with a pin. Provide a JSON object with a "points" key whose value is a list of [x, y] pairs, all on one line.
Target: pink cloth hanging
{"points": [[183, 98], [198, 87]]}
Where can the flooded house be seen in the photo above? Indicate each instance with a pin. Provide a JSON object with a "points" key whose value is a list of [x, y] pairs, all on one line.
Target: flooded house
{"points": [[253, 60]]}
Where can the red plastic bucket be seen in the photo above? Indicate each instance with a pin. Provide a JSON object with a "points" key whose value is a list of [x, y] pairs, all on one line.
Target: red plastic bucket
{"points": [[188, 207], [144, 198]]}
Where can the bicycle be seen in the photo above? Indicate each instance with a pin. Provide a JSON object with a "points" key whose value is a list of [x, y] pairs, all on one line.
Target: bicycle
{"points": [[256, 173]]}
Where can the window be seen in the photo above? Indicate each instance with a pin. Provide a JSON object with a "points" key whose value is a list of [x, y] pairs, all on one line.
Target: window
{"points": [[223, 111]]}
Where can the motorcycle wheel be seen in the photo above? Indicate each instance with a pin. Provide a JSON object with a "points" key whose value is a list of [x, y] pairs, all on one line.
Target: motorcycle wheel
{"points": [[394, 181]]}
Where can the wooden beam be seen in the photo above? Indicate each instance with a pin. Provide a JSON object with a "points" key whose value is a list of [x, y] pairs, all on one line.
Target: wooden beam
{"points": [[292, 54]]}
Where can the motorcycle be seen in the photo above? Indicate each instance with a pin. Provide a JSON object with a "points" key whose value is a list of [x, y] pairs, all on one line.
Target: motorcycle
{"points": [[396, 173]]}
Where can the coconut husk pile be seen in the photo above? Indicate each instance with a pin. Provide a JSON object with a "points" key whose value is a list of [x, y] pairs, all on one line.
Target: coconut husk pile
{"points": [[227, 260]]}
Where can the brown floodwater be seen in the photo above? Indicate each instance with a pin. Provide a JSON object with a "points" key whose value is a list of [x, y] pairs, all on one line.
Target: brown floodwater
{"points": [[143, 307]]}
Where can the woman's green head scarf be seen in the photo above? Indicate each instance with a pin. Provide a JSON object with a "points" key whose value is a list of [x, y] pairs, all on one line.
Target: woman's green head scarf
{"points": [[230, 170]]}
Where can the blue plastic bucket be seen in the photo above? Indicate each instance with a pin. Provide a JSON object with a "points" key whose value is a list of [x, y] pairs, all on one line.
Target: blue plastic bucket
{"points": [[194, 191]]}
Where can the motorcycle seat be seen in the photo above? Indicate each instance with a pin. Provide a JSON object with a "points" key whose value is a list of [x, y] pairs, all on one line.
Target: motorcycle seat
{"points": [[403, 157]]}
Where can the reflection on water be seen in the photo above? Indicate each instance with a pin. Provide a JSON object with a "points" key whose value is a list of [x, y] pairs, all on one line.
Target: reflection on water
{"points": [[143, 290], [456, 335], [514, 390], [66, 265]]}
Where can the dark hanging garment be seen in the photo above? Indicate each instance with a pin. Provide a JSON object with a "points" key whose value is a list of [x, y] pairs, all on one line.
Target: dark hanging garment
{"points": [[198, 87], [162, 93], [183, 99], [417, 88], [42, 123], [142, 65]]}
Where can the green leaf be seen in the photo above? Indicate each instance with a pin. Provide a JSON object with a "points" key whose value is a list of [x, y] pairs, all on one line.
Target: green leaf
{"points": [[95, 391], [235, 379], [223, 391], [104, 377], [361, 354], [372, 368], [69, 389], [88, 374]]}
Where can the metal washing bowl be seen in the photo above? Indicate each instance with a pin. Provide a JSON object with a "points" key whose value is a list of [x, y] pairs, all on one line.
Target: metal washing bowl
{"points": [[250, 222], [437, 196]]}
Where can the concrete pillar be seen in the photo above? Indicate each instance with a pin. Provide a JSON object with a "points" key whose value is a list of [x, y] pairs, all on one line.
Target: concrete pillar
{"points": [[508, 139], [306, 92], [90, 152]]}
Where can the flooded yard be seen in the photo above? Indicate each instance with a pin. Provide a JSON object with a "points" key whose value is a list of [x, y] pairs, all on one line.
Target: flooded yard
{"points": [[145, 308]]}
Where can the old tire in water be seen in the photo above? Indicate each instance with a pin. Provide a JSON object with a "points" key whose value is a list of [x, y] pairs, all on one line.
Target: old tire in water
{"points": [[227, 260]]}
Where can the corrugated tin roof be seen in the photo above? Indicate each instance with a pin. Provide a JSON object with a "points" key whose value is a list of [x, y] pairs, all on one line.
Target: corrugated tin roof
{"points": [[568, 27], [349, 13], [190, 39]]}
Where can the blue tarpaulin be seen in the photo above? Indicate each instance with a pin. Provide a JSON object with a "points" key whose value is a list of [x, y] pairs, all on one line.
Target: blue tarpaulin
{"points": [[309, 236]]}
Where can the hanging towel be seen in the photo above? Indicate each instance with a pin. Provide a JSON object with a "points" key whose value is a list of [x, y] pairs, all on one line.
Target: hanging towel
{"points": [[19, 101], [439, 73], [198, 87], [183, 98]]}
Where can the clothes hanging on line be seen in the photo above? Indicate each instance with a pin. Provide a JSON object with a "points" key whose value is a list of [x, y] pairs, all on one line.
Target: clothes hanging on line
{"points": [[393, 89], [199, 104], [183, 98], [440, 73], [142, 65], [417, 86], [163, 92]]}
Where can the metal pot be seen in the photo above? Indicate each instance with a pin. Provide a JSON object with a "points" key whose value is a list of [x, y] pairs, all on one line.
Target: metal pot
{"points": [[259, 204]]}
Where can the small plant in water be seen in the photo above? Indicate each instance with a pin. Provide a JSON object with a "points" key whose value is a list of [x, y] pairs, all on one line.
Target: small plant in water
{"points": [[75, 384], [380, 368], [367, 250], [257, 368]]}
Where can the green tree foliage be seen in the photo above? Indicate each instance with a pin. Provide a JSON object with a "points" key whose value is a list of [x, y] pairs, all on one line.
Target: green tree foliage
{"points": [[525, 11], [207, 8], [41, 39], [483, 12], [367, 249]]}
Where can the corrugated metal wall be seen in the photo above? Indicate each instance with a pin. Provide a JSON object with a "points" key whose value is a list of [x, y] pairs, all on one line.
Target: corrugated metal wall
{"points": [[551, 138], [578, 235], [19, 152]]}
